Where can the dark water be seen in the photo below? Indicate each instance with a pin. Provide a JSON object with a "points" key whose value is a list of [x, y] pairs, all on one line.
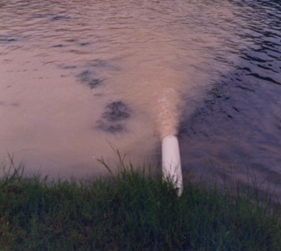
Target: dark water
{"points": [[80, 76], [235, 135]]}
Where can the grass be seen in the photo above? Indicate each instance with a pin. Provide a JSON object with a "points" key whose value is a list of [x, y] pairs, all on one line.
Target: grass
{"points": [[131, 210]]}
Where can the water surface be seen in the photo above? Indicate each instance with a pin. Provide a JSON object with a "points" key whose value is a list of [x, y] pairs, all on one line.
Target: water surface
{"points": [[78, 77]]}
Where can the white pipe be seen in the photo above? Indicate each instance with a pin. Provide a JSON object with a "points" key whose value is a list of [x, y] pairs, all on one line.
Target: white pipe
{"points": [[171, 162]]}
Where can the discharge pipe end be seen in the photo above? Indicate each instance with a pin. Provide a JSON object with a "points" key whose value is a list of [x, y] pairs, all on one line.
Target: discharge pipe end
{"points": [[171, 162]]}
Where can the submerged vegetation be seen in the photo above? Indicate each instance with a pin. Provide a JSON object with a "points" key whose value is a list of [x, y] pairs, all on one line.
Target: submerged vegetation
{"points": [[131, 210]]}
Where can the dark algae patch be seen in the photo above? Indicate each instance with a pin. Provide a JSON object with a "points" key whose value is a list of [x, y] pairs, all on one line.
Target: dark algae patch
{"points": [[116, 111], [114, 116], [88, 78]]}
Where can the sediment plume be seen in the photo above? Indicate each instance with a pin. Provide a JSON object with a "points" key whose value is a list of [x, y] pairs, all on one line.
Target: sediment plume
{"points": [[167, 112]]}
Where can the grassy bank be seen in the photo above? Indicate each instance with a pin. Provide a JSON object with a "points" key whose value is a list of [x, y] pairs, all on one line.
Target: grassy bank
{"points": [[131, 211]]}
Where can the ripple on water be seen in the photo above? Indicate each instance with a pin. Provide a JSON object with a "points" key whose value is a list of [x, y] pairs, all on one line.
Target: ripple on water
{"points": [[222, 57]]}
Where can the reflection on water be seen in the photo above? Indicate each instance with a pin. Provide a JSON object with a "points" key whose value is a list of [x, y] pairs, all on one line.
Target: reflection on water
{"points": [[80, 76]]}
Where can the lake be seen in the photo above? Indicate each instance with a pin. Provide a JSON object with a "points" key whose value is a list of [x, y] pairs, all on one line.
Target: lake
{"points": [[82, 78]]}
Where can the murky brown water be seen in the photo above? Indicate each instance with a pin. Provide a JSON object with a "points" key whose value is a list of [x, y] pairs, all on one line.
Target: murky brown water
{"points": [[78, 77]]}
